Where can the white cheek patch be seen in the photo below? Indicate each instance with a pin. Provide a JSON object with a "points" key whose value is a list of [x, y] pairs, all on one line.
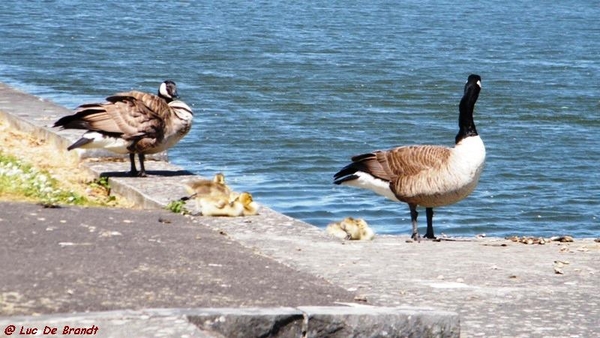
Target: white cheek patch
{"points": [[163, 90], [367, 181]]}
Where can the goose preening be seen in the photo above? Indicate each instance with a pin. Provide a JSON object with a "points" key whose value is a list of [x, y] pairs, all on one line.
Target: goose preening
{"points": [[425, 175], [215, 198], [230, 206], [132, 123], [203, 187], [351, 228]]}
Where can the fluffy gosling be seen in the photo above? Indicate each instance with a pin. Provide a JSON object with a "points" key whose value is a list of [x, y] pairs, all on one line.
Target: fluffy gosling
{"points": [[203, 188], [242, 205], [352, 229]]}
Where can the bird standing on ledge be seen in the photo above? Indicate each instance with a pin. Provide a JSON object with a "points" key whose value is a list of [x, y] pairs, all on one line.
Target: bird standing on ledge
{"points": [[132, 123], [426, 175]]}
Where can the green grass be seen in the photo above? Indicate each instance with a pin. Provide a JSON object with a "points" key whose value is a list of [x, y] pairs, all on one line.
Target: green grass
{"points": [[101, 183], [177, 207], [19, 180]]}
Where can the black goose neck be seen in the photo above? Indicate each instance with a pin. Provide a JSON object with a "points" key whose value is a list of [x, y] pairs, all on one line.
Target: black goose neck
{"points": [[466, 124], [166, 98]]}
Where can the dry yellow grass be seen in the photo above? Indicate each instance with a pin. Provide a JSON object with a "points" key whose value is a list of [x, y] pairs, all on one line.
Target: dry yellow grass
{"points": [[59, 164]]}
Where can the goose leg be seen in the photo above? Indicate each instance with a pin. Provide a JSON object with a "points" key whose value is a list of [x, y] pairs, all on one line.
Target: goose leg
{"points": [[142, 172], [429, 233], [133, 171], [413, 218]]}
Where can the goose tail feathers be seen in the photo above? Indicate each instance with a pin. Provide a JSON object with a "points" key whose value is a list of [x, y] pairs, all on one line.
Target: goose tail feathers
{"points": [[71, 122], [81, 118], [80, 143], [349, 172]]}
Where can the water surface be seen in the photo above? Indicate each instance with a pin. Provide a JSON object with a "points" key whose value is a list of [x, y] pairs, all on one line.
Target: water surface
{"points": [[285, 93]]}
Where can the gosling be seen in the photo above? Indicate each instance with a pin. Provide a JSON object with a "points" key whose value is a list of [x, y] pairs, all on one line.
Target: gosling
{"points": [[203, 187], [352, 229], [225, 206]]}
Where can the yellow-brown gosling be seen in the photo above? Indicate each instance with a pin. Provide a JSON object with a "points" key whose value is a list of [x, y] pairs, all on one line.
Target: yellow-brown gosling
{"points": [[204, 187], [243, 205], [352, 229], [250, 207], [336, 230]]}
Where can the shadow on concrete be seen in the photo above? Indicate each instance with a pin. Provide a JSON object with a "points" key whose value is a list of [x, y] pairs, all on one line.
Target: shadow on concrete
{"points": [[150, 173]]}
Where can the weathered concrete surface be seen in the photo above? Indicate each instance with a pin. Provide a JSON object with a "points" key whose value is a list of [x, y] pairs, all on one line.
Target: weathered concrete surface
{"points": [[499, 288], [379, 321], [78, 260], [253, 322], [62, 260]]}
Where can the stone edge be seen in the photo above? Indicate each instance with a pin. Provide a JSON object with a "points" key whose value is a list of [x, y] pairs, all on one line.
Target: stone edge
{"points": [[307, 321]]}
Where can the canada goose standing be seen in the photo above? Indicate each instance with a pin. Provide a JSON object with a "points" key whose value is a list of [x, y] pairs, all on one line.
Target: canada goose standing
{"points": [[425, 175], [132, 123]]}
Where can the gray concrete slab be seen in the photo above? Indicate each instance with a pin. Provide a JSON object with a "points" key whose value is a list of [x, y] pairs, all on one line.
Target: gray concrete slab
{"points": [[499, 288], [368, 321], [63, 260]]}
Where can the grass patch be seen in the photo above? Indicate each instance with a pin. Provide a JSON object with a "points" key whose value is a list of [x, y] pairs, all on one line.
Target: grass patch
{"points": [[177, 207], [21, 181], [34, 170], [101, 184]]}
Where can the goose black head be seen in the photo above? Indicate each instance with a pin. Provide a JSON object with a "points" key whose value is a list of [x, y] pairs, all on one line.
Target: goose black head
{"points": [[471, 94], [168, 90], [473, 82]]}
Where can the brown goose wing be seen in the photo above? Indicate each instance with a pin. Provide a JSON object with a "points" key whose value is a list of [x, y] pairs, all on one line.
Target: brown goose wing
{"points": [[415, 169], [122, 115], [153, 102], [389, 165], [411, 160]]}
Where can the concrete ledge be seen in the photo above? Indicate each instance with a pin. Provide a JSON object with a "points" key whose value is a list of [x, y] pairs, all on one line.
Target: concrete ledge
{"points": [[367, 321], [250, 322], [310, 322]]}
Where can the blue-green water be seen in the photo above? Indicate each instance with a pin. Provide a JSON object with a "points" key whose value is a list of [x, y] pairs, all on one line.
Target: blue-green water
{"points": [[285, 92]]}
